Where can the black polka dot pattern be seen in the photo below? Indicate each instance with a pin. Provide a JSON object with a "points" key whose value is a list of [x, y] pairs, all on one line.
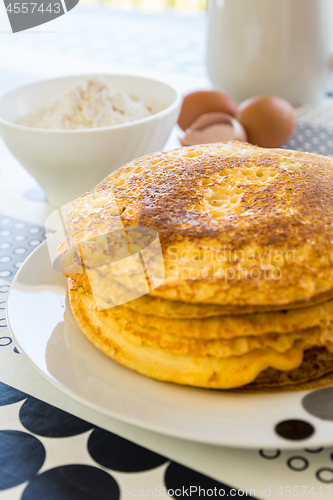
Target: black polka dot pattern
{"points": [[118, 454], [4, 341], [325, 475], [9, 395], [179, 480], [72, 482], [21, 457], [297, 463], [46, 420], [294, 430], [320, 403]]}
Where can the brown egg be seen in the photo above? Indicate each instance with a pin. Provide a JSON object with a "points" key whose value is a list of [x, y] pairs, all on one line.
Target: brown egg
{"points": [[269, 121], [200, 102]]}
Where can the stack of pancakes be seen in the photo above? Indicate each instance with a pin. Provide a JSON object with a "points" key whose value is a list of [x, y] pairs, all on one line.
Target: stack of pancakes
{"points": [[246, 237]]}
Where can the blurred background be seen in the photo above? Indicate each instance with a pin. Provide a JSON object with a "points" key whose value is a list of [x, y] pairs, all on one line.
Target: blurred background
{"points": [[162, 38], [155, 5]]}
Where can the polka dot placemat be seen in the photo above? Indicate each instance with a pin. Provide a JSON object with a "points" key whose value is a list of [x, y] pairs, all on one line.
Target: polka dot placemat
{"points": [[49, 454], [17, 240], [100, 465], [312, 138]]}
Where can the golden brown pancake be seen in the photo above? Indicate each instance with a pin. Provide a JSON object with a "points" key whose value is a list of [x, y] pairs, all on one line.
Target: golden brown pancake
{"points": [[198, 371], [218, 347], [176, 309], [224, 367], [147, 305], [239, 225], [236, 325], [225, 326]]}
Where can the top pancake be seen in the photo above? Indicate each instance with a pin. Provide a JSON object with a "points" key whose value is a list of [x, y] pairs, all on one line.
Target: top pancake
{"points": [[238, 225]]}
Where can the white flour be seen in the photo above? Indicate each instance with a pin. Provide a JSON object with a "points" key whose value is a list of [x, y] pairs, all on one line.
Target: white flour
{"points": [[88, 105]]}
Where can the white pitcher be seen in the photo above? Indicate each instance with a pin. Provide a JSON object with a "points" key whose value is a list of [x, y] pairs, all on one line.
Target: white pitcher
{"points": [[279, 47]]}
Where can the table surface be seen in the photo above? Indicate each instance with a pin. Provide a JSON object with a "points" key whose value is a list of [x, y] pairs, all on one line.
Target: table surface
{"points": [[51, 447]]}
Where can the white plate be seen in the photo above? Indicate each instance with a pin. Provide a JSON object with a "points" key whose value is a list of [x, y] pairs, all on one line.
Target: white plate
{"points": [[47, 335]]}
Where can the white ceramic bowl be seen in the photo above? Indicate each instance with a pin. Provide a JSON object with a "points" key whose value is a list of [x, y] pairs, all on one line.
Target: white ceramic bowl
{"points": [[66, 163]]}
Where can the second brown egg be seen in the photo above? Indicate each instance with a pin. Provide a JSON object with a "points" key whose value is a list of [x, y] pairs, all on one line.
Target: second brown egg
{"points": [[269, 121]]}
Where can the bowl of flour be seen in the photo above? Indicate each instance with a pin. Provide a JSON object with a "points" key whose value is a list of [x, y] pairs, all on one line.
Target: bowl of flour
{"points": [[71, 132]]}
